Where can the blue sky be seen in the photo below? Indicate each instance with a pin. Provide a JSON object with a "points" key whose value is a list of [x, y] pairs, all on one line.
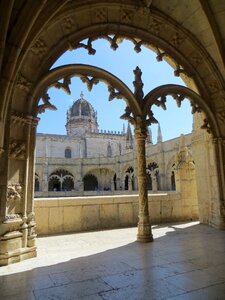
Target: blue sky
{"points": [[121, 63]]}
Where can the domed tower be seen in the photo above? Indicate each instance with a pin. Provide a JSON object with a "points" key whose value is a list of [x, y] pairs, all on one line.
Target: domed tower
{"points": [[81, 117]]}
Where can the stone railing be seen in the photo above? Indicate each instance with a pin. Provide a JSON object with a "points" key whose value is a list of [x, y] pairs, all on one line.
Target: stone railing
{"points": [[77, 214]]}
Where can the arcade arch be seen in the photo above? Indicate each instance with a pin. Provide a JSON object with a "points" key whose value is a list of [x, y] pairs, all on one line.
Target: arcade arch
{"points": [[33, 52]]}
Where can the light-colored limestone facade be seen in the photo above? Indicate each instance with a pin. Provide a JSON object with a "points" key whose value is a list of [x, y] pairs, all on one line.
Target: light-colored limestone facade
{"points": [[189, 35], [89, 161]]}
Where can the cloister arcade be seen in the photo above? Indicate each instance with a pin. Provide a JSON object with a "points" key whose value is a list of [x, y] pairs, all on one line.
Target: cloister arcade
{"points": [[35, 34]]}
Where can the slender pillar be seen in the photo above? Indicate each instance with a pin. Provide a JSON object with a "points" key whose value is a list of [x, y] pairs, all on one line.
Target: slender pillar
{"points": [[144, 227]]}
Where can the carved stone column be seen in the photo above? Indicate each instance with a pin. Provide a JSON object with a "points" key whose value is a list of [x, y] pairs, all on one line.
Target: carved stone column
{"points": [[144, 227]]}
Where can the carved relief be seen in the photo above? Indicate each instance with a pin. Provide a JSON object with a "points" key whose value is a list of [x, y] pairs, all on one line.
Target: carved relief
{"points": [[23, 83], [100, 15], [47, 105], [17, 149], [39, 48], [14, 192], [196, 60], [177, 40], [68, 23], [213, 87], [126, 16], [155, 26]]}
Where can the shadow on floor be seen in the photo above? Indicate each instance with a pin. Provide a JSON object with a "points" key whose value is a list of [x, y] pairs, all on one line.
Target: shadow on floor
{"points": [[185, 261]]}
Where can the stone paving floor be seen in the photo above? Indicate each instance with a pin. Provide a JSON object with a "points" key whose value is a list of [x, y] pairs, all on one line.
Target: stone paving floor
{"points": [[185, 261]]}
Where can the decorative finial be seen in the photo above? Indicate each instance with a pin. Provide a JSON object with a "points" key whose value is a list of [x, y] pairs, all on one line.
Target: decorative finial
{"points": [[138, 84], [82, 95], [159, 137]]}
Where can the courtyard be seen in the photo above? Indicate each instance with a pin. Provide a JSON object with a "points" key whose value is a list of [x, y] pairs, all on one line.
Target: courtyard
{"points": [[185, 261]]}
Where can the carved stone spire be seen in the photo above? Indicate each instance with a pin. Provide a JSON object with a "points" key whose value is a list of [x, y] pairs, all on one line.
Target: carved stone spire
{"points": [[129, 137], [149, 136], [138, 84], [159, 136]]}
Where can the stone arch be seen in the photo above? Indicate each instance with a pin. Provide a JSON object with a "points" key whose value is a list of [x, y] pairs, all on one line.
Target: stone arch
{"points": [[152, 171], [60, 180], [128, 176], [104, 176], [170, 168], [37, 183], [90, 182], [28, 52]]}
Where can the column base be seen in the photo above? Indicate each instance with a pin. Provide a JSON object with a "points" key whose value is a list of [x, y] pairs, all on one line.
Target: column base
{"points": [[12, 250], [144, 233]]}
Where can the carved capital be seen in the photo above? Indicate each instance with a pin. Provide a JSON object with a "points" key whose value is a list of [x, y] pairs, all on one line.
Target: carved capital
{"points": [[20, 119]]}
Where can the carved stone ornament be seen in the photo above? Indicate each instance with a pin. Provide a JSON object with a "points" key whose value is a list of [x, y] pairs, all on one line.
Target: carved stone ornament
{"points": [[39, 48], [14, 192], [68, 23], [65, 85], [206, 125], [177, 40], [180, 70], [113, 94], [127, 116], [17, 149], [20, 119], [138, 84], [23, 83], [126, 15], [47, 105], [155, 26], [100, 15], [89, 81], [11, 217]]}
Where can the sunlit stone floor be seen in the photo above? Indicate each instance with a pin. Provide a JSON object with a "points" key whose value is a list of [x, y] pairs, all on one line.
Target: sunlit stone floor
{"points": [[185, 261]]}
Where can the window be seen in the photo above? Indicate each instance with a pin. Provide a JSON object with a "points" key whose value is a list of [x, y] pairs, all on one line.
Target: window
{"points": [[68, 153]]}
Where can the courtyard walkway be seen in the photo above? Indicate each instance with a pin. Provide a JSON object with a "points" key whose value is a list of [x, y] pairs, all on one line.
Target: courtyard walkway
{"points": [[186, 261]]}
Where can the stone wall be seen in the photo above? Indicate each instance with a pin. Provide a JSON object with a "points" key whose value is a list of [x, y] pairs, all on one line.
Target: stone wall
{"points": [[63, 215]]}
